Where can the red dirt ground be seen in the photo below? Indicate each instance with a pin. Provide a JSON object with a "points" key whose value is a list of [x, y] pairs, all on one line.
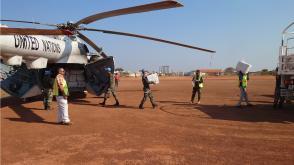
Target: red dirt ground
{"points": [[177, 132]]}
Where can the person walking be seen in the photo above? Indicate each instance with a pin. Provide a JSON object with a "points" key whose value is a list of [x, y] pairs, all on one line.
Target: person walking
{"points": [[197, 82], [110, 88], [243, 80], [60, 90], [278, 100], [47, 91], [116, 78], [147, 91]]}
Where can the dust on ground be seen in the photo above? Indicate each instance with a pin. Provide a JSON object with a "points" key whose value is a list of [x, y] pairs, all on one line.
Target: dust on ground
{"points": [[177, 132]]}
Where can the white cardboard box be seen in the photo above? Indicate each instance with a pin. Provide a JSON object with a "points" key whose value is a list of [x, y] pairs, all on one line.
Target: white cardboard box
{"points": [[243, 67], [153, 78]]}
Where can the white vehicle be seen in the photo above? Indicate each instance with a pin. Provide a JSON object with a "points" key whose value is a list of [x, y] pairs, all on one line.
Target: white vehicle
{"points": [[285, 71], [32, 51]]}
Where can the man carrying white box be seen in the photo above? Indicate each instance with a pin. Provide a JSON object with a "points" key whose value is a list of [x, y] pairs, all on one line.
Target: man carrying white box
{"points": [[147, 90], [243, 69]]}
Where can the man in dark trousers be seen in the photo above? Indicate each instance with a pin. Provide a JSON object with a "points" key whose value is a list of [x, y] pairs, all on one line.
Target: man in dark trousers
{"points": [[147, 90], [197, 82], [47, 91], [110, 88]]}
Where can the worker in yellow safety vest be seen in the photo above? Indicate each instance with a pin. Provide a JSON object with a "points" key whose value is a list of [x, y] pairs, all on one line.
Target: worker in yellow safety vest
{"points": [[243, 80], [197, 83], [60, 90]]}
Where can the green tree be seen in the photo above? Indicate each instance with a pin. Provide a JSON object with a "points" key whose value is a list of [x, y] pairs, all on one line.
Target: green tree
{"points": [[229, 71], [119, 69]]}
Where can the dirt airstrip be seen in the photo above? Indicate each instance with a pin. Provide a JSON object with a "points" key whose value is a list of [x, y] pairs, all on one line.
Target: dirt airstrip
{"points": [[177, 132]]}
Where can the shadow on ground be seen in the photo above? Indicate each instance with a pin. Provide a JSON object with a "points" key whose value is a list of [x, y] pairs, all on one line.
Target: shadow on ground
{"points": [[257, 113], [10, 100], [25, 114]]}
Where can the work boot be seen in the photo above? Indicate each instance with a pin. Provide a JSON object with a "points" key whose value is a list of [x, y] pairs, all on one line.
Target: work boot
{"points": [[48, 108], [154, 106], [103, 104], [116, 104], [141, 107]]}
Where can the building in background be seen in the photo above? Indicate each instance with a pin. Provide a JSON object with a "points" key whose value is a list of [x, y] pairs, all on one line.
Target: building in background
{"points": [[212, 72], [164, 70]]}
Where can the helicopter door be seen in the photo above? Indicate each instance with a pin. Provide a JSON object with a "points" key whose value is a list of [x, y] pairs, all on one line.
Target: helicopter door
{"points": [[21, 82], [96, 76]]}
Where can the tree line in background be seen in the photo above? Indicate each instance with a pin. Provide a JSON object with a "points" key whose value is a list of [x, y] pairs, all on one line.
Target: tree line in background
{"points": [[227, 71]]}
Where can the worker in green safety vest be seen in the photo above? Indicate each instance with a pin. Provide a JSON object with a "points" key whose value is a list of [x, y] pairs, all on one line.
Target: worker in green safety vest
{"points": [[60, 90], [243, 80], [197, 83]]}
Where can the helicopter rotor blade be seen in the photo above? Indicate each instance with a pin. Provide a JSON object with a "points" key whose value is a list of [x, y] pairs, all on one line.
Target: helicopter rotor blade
{"points": [[147, 37], [30, 22], [91, 43], [31, 31], [136, 9]]}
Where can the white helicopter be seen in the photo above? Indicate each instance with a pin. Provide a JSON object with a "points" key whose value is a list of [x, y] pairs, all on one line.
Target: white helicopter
{"points": [[31, 51]]}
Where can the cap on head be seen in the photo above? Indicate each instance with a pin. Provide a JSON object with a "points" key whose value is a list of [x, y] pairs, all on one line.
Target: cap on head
{"points": [[197, 71]]}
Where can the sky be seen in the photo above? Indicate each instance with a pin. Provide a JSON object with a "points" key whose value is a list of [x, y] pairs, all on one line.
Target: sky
{"points": [[248, 30]]}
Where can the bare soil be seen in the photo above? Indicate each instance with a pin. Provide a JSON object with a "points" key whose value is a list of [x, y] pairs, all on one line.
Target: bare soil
{"points": [[177, 132]]}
